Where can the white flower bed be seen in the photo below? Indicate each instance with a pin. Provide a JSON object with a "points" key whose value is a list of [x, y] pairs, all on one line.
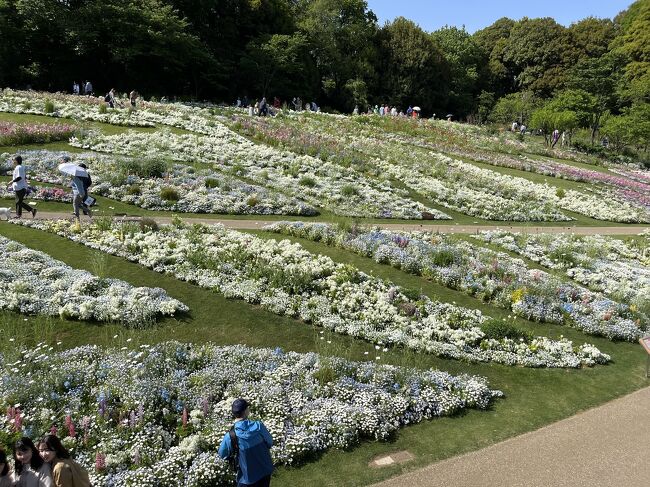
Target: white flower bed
{"points": [[286, 279], [491, 276], [68, 106], [32, 282], [340, 190], [457, 185], [111, 178], [154, 417]]}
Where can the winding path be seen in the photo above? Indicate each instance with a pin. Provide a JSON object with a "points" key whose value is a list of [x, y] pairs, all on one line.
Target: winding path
{"points": [[604, 446], [434, 227]]}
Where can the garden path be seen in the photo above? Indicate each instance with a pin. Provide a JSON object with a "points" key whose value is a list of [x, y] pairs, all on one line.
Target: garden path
{"points": [[604, 446], [444, 228]]}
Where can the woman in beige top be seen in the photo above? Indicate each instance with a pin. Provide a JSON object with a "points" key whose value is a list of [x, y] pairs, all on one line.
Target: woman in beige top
{"points": [[30, 469], [65, 471]]}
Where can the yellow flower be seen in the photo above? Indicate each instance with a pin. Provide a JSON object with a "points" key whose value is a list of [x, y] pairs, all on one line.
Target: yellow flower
{"points": [[518, 294]]}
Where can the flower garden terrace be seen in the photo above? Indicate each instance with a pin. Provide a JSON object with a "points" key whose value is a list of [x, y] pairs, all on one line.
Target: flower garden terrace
{"points": [[395, 332]]}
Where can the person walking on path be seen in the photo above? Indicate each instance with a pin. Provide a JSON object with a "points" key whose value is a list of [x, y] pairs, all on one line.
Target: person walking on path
{"points": [[133, 97], [556, 137], [88, 88], [65, 471], [80, 185], [19, 184], [250, 443], [31, 470]]}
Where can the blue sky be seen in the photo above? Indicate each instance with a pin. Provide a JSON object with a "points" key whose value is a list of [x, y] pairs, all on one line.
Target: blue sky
{"points": [[476, 14]]}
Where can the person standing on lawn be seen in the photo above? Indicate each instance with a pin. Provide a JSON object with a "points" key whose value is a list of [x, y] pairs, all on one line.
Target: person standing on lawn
{"points": [[19, 185], [249, 442]]}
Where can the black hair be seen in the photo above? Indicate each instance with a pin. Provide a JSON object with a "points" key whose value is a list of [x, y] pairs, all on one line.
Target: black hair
{"points": [[25, 444], [18, 159], [3, 459], [53, 443]]}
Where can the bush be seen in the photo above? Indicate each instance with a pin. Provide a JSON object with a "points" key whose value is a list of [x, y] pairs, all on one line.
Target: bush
{"points": [[152, 168], [49, 106], [559, 192], [307, 181], [103, 108], [211, 183], [349, 190], [238, 170], [411, 294], [443, 258], [134, 190], [169, 194], [252, 200], [498, 330], [148, 224]]}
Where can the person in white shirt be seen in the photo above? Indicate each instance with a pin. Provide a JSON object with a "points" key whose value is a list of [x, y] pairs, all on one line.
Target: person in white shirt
{"points": [[19, 184]]}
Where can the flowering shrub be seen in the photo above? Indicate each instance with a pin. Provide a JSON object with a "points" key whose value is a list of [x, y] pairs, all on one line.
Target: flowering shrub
{"points": [[155, 416], [32, 282], [491, 276], [286, 279]]}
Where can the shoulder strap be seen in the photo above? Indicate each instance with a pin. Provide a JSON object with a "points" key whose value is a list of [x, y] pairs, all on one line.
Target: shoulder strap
{"points": [[234, 443]]}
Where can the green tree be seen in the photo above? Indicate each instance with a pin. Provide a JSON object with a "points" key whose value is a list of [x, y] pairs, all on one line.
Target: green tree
{"points": [[412, 67], [493, 41], [591, 36], [538, 52], [485, 105], [464, 58], [548, 119], [633, 43], [340, 35], [515, 106], [280, 54]]}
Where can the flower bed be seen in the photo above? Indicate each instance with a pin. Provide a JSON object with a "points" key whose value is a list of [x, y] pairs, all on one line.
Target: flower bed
{"points": [[32, 282], [342, 191], [24, 133], [491, 276], [604, 264], [286, 279], [413, 159], [154, 185], [155, 416], [67, 106]]}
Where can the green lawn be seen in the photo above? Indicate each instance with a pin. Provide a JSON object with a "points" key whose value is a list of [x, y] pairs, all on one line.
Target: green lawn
{"points": [[533, 397]]}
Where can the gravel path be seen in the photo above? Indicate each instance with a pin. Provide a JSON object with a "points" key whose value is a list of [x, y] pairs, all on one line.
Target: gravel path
{"points": [[605, 446], [444, 228]]}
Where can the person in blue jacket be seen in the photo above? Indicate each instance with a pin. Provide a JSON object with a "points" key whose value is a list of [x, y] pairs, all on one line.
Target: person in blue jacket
{"points": [[255, 442]]}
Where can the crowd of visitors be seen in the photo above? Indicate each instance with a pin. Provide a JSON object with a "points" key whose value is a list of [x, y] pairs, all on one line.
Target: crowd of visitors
{"points": [[111, 98], [262, 107]]}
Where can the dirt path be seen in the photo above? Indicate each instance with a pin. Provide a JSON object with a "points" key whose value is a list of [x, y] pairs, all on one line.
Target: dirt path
{"points": [[605, 446], [444, 228]]}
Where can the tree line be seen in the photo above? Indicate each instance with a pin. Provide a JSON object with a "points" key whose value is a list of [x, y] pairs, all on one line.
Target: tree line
{"points": [[333, 51]]}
